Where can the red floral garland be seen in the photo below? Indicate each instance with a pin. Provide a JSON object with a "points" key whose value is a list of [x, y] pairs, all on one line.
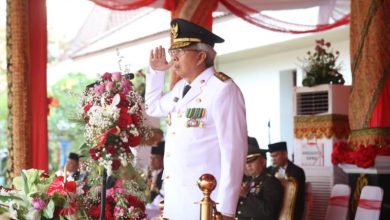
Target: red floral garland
{"points": [[364, 155]]}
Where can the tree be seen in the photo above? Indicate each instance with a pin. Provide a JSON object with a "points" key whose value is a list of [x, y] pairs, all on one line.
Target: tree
{"points": [[62, 121]]}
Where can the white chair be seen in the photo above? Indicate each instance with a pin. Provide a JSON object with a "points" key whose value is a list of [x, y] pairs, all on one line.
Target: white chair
{"points": [[338, 202], [370, 202], [308, 200]]}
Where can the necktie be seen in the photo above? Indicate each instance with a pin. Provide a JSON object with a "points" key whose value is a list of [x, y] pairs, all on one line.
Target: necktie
{"points": [[186, 89]]}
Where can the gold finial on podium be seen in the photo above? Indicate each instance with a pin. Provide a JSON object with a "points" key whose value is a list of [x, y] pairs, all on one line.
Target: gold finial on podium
{"points": [[207, 183], [208, 211]]}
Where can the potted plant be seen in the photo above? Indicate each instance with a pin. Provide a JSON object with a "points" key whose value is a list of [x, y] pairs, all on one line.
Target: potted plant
{"points": [[320, 66]]}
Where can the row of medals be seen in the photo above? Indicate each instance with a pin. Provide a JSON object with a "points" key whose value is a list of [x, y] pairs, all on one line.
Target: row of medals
{"points": [[194, 117]]}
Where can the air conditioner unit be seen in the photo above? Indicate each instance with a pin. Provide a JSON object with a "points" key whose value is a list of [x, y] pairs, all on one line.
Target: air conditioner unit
{"points": [[321, 100], [319, 107]]}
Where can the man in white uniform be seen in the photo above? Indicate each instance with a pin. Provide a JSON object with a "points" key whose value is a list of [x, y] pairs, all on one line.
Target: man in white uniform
{"points": [[205, 114]]}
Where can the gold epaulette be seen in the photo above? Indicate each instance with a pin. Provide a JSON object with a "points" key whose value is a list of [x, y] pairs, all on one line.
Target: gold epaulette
{"points": [[221, 76]]}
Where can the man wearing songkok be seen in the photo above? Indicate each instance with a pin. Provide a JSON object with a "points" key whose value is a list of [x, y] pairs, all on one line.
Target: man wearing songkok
{"points": [[206, 122], [283, 168], [156, 182], [261, 195]]}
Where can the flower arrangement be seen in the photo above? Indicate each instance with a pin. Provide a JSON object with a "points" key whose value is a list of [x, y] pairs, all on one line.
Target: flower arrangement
{"points": [[320, 66], [121, 203], [39, 196], [114, 121], [362, 156]]}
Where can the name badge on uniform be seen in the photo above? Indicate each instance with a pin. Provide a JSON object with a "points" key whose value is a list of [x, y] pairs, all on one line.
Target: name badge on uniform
{"points": [[194, 116]]}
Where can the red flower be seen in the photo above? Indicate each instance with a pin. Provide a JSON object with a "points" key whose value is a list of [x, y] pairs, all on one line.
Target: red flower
{"points": [[135, 119], [111, 150], [87, 107], [95, 154], [106, 76], [365, 156], [94, 211], [69, 210], [103, 137], [115, 164], [134, 141], [109, 215], [61, 187], [123, 102], [124, 119]]}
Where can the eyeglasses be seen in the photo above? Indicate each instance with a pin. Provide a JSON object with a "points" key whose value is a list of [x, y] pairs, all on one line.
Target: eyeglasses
{"points": [[176, 52]]}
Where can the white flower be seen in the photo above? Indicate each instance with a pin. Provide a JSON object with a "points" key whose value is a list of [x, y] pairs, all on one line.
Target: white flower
{"points": [[13, 211]]}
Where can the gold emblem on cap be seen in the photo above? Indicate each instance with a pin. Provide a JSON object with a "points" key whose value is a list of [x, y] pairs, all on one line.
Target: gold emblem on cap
{"points": [[202, 81], [175, 30]]}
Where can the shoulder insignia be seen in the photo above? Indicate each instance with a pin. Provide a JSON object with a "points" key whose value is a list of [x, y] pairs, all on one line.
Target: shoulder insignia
{"points": [[221, 76]]}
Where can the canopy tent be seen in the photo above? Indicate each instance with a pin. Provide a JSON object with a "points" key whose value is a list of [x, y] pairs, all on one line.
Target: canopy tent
{"points": [[331, 13]]}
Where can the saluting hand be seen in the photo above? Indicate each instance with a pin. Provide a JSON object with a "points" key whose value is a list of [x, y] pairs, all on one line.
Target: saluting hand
{"points": [[244, 189], [158, 60]]}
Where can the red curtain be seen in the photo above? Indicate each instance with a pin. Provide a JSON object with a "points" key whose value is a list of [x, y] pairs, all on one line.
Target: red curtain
{"points": [[38, 93], [256, 18], [247, 13], [123, 5], [380, 116]]}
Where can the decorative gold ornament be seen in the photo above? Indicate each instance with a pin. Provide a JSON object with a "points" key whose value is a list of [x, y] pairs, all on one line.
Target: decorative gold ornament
{"points": [[208, 210], [175, 30]]}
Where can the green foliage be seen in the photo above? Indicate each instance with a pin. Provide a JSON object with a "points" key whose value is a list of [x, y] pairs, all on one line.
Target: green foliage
{"points": [[320, 67], [62, 123], [48, 212]]}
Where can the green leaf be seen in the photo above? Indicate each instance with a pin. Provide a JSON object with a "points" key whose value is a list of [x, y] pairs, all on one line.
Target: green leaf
{"points": [[49, 210], [5, 198], [25, 182]]}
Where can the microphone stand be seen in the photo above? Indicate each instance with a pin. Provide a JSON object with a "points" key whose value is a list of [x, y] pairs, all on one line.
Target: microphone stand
{"points": [[103, 195]]}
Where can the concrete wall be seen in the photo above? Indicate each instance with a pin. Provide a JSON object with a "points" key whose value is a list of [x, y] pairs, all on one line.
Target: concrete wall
{"points": [[265, 77]]}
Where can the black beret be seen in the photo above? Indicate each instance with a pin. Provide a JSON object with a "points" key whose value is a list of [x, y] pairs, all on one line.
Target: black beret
{"points": [[279, 146], [254, 150], [74, 156], [159, 149], [184, 33]]}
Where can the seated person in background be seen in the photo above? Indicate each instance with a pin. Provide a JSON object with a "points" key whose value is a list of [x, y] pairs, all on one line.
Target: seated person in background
{"points": [[282, 167], [155, 181], [261, 195], [157, 168], [142, 153], [71, 167]]}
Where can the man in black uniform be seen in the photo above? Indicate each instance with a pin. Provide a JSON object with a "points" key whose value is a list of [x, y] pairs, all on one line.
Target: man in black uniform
{"points": [[261, 195], [157, 168], [283, 168], [155, 181]]}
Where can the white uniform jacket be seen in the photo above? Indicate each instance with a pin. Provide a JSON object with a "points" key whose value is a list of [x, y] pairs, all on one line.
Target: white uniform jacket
{"points": [[215, 144]]}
